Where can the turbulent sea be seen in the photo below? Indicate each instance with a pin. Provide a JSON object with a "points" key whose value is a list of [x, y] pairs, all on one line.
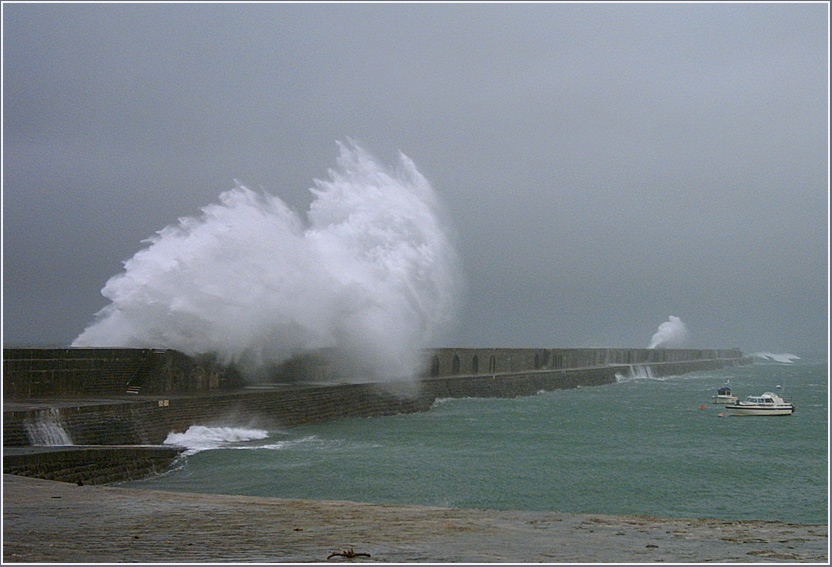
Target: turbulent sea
{"points": [[642, 446]]}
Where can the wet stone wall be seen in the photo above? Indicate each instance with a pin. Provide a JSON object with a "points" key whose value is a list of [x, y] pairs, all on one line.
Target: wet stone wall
{"points": [[90, 465], [148, 420]]}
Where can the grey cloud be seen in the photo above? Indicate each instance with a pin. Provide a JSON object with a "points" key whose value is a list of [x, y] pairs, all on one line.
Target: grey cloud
{"points": [[605, 166]]}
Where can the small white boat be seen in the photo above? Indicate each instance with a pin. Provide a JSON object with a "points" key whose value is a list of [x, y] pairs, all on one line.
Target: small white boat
{"points": [[724, 396], [767, 404]]}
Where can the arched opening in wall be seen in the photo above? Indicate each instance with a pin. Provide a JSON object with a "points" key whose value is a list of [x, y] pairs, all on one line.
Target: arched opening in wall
{"points": [[475, 364], [536, 361], [545, 360], [455, 365], [434, 366], [198, 379], [492, 364]]}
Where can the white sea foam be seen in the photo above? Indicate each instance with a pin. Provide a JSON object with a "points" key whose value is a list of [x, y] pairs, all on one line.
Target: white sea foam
{"points": [[673, 333], [638, 372], [371, 272], [202, 438], [784, 358], [47, 429]]}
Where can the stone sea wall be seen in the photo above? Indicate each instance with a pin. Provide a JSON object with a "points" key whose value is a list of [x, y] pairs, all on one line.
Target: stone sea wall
{"points": [[32, 373], [71, 372], [90, 465], [89, 433], [149, 419]]}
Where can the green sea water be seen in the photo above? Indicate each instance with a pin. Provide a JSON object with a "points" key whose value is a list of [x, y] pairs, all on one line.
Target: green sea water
{"points": [[641, 446]]}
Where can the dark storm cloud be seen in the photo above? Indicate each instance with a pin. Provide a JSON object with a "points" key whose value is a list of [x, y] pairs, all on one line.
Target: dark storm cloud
{"points": [[605, 166]]}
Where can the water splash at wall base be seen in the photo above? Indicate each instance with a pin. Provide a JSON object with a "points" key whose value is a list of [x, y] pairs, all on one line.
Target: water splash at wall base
{"points": [[47, 429]]}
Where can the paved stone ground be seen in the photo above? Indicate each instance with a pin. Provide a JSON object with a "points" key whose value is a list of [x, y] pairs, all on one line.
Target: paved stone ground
{"points": [[47, 521]]}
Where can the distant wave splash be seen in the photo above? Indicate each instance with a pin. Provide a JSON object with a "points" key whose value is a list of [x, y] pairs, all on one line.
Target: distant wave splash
{"points": [[673, 333], [781, 358]]}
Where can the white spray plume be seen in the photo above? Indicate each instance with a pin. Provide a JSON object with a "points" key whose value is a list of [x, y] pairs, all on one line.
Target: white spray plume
{"points": [[784, 358], [372, 273], [673, 333], [200, 438]]}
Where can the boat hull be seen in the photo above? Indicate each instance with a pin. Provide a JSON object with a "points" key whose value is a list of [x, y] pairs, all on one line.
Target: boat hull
{"points": [[751, 410]]}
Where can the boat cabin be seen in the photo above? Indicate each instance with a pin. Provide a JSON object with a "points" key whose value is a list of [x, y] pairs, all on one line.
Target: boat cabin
{"points": [[766, 398]]}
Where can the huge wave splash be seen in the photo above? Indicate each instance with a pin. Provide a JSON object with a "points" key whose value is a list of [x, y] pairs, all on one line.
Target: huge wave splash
{"points": [[371, 271], [673, 333]]}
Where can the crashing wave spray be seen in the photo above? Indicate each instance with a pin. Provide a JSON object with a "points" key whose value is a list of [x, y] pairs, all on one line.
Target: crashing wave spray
{"points": [[372, 273], [673, 333], [200, 438], [46, 429], [784, 358]]}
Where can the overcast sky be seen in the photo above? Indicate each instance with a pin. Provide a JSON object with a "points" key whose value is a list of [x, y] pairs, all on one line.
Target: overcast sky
{"points": [[604, 166]]}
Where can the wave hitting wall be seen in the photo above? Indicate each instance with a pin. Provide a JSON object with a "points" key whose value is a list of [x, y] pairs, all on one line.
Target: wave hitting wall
{"points": [[370, 270]]}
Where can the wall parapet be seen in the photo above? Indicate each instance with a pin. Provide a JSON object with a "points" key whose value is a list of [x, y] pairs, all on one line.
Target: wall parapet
{"points": [[30, 373], [472, 361]]}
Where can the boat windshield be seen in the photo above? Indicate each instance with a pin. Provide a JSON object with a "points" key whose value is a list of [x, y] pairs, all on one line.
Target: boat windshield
{"points": [[761, 400]]}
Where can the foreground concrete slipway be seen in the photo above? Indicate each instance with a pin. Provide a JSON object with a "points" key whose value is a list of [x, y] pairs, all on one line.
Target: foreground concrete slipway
{"points": [[46, 522]]}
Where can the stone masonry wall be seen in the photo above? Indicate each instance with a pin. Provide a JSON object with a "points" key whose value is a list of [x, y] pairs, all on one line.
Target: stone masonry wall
{"points": [[107, 372], [30, 373], [150, 421], [463, 361], [91, 465], [100, 427]]}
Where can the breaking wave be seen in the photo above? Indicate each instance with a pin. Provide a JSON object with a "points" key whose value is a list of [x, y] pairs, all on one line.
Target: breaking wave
{"points": [[372, 274], [637, 372], [781, 358], [673, 333], [203, 438]]}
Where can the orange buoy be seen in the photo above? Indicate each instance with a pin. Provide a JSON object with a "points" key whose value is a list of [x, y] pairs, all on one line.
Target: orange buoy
{"points": [[702, 406]]}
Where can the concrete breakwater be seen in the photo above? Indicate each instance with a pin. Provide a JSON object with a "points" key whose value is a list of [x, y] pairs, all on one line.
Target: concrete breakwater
{"points": [[145, 418]]}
